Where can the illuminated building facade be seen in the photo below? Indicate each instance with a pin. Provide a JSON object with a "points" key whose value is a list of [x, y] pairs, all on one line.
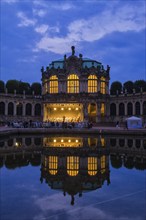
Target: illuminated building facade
{"points": [[75, 89]]}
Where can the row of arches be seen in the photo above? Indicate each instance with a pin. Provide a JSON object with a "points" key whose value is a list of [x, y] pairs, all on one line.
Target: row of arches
{"points": [[128, 142], [73, 84], [17, 109], [128, 109]]}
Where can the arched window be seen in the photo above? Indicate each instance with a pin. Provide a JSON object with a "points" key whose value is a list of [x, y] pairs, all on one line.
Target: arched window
{"points": [[144, 108], [10, 108], [28, 109], [37, 110], [19, 109], [129, 109], [53, 88], [102, 85], [102, 109], [92, 83], [137, 108], [113, 109], [72, 165], [2, 108], [28, 141], [53, 164], [121, 109], [130, 142], [121, 142], [113, 142], [73, 84], [92, 166]]}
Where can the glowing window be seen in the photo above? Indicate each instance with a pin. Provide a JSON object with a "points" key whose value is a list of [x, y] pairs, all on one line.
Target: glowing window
{"points": [[53, 84], [92, 83], [53, 164], [72, 165], [92, 166], [102, 164], [102, 85], [102, 109], [102, 142], [73, 84]]}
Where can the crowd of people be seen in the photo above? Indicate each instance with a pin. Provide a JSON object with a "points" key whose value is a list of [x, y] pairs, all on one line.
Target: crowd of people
{"points": [[50, 124]]}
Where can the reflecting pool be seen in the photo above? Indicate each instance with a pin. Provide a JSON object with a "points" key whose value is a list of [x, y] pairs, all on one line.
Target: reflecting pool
{"points": [[73, 177]]}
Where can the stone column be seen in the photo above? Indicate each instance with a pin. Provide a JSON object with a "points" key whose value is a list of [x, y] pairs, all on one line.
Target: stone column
{"points": [[59, 86], [33, 107], [86, 85], [141, 106], [133, 106], [106, 87], [98, 85], [85, 111], [117, 109], [125, 106], [15, 108], [6, 108], [81, 86], [98, 112], [23, 110]]}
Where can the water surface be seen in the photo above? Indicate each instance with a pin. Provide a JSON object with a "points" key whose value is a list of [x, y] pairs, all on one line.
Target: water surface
{"points": [[64, 177]]}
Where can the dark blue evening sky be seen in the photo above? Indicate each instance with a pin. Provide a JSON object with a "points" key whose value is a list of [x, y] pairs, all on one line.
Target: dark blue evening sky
{"points": [[33, 33]]}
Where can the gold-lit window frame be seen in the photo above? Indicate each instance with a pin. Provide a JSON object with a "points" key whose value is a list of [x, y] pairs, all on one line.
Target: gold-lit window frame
{"points": [[73, 84], [92, 166], [53, 164], [72, 165], [53, 84], [92, 84], [102, 85]]}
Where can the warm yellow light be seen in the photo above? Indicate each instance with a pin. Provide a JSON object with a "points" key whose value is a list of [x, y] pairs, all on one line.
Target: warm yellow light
{"points": [[69, 109], [76, 140], [54, 140], [69, 140], [62, 108], [62, 140], [77, 108], [55, 109], [16, 144]]}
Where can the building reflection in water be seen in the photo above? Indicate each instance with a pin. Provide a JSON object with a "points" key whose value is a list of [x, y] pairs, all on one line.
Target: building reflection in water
{"points": [[73, 171], [74, 164], [75, 174]]}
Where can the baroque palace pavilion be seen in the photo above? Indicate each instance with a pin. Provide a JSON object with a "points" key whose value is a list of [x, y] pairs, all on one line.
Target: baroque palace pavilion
{"points": [[74, 89]]}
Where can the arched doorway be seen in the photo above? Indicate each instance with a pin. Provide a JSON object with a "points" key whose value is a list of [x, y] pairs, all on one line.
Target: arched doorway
{"points": [[92, 112], [2, 108], [10, 108]]}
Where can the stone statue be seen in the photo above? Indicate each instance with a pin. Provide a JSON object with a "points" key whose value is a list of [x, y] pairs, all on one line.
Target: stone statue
{"points": [[42, 69], [73, 50]]}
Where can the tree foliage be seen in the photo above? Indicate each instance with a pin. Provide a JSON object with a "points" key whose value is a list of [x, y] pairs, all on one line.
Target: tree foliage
{"points": [[12, 85], [37, 88], [116, 87], [128, 87], [2, 86], [140, 84], [24, 86]]}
